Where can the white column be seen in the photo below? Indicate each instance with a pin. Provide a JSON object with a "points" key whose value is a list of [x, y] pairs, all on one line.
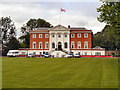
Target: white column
{"points": [[55, 40], [62, 40], [68, 41], [50, 41]]}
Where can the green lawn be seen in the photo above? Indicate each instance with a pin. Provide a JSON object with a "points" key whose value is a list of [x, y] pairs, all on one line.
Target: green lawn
{"points": [[59, 73]]}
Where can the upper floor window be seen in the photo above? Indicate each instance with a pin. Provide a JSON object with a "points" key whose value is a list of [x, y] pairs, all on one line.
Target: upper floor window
{"points": [[79, 35], [59, 35], [85, 45], [34, 45], [72, 36], [46, 45], [79, 45], [65, 35], [72, 44], [40, 45], [86, 35], [53, 35], [46, 35], [40, 35], [34, 35]]}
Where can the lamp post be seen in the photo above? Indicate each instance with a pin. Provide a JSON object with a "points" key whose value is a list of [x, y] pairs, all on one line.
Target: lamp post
{"points": [[116, 51]]}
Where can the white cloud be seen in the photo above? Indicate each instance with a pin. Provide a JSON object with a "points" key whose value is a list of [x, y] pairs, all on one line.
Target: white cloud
{"points": [[77, 14]]}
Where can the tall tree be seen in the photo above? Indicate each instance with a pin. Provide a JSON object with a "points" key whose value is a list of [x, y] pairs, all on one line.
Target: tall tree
{"points": [[8, 35], [110, 14], [7, 29]]}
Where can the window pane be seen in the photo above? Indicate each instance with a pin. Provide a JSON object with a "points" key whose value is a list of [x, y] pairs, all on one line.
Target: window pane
{"points": [[53, 45]]}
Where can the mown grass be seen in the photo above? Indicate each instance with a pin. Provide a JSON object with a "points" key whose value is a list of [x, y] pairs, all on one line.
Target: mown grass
{"points": [[59, 73]]}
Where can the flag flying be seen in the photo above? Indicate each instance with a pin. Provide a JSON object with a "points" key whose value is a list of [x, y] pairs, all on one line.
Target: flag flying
{"points": [[63, 10]]}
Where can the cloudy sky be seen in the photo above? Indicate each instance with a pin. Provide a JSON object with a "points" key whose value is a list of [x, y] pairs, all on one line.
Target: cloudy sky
{"points": [[78, 14]]}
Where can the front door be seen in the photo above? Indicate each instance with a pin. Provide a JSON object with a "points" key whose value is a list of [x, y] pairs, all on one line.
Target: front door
{"points": [[59, 45]]}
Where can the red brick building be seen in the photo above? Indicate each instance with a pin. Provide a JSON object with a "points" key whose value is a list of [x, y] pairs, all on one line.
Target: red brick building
{"points": [[60, 40]]}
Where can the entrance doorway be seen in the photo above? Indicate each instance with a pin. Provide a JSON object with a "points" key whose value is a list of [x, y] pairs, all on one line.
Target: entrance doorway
{"points": [[59, 46]]}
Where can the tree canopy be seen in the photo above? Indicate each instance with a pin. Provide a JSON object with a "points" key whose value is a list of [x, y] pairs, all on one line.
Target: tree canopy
{"points": [[31, 25], [109, 37], [8, 35]]}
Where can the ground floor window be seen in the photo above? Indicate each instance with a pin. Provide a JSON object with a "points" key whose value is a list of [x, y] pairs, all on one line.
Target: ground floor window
{"points": [[40, 45], [34, 45], [65, 44], [72, 44], [53, 45], [85, 45], [85, 53], [97, 53], [46, 45], [40, 53], [79, 45]]}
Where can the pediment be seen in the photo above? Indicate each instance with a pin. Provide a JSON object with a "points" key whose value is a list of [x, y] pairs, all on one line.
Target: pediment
{"points": [[59, 27]]}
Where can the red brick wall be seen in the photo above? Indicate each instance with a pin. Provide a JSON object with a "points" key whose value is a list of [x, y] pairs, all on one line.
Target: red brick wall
{"points": [[82, 40], [37, 39]]}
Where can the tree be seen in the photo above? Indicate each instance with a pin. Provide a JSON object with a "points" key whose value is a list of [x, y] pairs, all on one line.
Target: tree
{"points": [[105, 38], [13, 44], [110, 14], [7, 33], [7, 29], [31, 25]]}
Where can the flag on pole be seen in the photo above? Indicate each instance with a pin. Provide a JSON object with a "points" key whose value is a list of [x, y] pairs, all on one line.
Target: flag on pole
{"points": [[63, 10]]}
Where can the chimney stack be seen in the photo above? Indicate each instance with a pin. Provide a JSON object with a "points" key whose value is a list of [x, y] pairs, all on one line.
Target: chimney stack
{"points": [[68, 26]]}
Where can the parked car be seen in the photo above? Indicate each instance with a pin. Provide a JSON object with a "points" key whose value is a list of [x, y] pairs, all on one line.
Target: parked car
{"points": [[77, 56], [69, 55], [46, 55], [13, 53], [41, 55], [31, 55]]}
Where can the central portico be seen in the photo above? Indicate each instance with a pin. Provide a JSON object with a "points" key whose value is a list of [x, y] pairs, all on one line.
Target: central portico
{"points": [[59, 38]]}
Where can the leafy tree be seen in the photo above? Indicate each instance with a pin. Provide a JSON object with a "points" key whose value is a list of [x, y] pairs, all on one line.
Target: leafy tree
{"points": [[13, 44], [7, 29], [110, 14], [31, 25], [8, 35]]}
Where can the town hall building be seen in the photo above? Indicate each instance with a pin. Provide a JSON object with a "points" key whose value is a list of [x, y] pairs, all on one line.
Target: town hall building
{"points": [[60, 41]]}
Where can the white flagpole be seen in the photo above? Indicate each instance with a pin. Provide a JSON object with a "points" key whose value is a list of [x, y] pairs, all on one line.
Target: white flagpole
{"points": [[60, 16]]}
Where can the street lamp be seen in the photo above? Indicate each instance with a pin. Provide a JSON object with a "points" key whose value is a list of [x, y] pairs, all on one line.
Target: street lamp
{"points": [[116, 51]]}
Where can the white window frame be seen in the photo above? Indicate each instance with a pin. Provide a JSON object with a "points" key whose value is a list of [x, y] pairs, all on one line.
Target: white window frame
{"points": [[34, 35], [72, 43], [46, 35], [79, 35], [85, 43], [85, 35], [79, 45], [40, 43], [46, 45], [72, 35], [33, 45], [40, 35]]}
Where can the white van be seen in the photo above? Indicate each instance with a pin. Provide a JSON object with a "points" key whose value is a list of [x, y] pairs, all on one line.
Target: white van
{"points": [[13, 53]]}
